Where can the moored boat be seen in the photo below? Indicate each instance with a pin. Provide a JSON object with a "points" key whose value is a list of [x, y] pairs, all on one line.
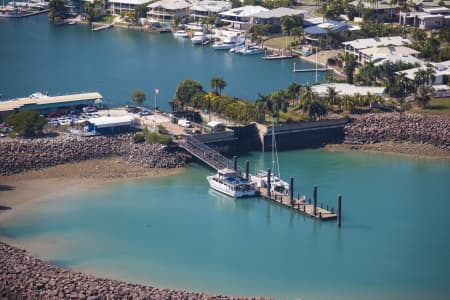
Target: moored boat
{"points": [[251, 50], [199, 38], [181, 34], [228, 182]]}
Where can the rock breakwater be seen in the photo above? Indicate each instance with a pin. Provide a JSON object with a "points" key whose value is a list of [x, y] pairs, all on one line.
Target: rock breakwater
{"points": [[19, 155], [25, 277], [399, 127]]}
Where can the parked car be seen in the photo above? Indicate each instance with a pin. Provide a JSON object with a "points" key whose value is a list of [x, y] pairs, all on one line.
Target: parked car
{"points": [[89, 109], [132, 109], [185, 123], [53, 115], [145, 112]]}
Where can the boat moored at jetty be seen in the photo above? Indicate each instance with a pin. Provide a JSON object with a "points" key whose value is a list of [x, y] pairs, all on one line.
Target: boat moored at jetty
{"points": [[199, 38], [228, 182], [251, 50], [181, 34]]}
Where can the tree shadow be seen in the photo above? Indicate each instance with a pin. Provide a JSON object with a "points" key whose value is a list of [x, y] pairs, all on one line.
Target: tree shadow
{"points": [[437, 107], [4, 187]]}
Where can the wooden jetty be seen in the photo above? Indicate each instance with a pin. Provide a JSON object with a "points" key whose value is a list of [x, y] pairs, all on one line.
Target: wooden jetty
{"points": [[102, 27], [299, 205], [217, 161]]}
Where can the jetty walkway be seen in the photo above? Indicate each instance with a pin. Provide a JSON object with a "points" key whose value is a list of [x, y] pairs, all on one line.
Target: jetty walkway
{"points": [[205, 153], [217, 161]]}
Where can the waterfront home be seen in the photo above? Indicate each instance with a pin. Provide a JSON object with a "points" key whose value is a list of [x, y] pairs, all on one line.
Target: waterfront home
{"points": [[240, 17], [314, 33], [44, 104], [355, 46], [429, 18], [207, 8], [380, 53], [167, 10], [441, 72], [115, 7], [343, 89], [382, 10], [274, 16]]}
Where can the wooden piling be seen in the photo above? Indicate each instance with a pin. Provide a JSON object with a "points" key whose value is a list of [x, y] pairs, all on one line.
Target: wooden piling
{"points": [[339, 211], [247, 169], [235, 163], [291, 191], [315, 200], [268, 182]]}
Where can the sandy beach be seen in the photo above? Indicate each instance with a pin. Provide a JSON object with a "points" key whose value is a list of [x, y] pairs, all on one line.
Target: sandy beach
{"points": [[422, 151], [27, 188]]}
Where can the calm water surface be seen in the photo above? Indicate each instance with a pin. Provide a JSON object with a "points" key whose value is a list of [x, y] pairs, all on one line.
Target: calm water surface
{"points": [[175, 232], [38, 56]]}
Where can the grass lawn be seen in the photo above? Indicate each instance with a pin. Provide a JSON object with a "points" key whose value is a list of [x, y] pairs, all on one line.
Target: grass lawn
{"points": [[279, 42], [439, 106]]}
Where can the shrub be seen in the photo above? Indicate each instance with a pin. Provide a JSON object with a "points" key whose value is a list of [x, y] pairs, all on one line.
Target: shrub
{"points": [[26, 123], [138, 138]]}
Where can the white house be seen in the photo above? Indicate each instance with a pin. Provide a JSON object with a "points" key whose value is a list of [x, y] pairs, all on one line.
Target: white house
{"points": [[441, 72], [206, 8], [273, 16], [166, 10], [378, 53], [117, 6], [343, 89], [240, 17]]}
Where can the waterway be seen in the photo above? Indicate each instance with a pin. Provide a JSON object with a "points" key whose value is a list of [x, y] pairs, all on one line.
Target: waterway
{"points": [[175, 232], [38, 56]]}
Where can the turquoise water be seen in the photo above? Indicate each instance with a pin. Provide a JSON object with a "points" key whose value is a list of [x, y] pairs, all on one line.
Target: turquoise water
{"points": [[38, 56], [174, 232]]}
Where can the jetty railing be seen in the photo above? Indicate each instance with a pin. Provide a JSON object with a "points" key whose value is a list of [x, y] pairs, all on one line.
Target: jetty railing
{"points": [[205, 153]]}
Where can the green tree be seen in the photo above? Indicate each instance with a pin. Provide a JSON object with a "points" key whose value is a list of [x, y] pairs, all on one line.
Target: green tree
{"points": [[186, 90], [315, 109], [423, 95], [26, 123], [138, 97], [58, 10], [218, 84], [332, 97], [350, 63], [141, 11]]}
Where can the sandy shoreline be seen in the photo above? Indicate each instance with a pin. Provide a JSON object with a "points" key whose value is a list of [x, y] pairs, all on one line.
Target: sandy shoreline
{"points": [[29, 188], [422, 151]]}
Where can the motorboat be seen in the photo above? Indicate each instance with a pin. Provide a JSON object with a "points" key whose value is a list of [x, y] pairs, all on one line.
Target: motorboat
{"points": [[181, 34], [251, 50], [228, 182], [199, 38], [226, 45]]}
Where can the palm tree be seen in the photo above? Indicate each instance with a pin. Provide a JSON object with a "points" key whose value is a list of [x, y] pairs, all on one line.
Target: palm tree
{"points": [[307, 94], [420, 77], [430, 74], [423, 95], [332, 96], [350, 63], [403, 83], [293, 92], [218, 84]]}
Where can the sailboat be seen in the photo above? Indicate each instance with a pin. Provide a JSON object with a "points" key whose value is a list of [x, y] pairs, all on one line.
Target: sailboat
{"points": [[276, 183]]}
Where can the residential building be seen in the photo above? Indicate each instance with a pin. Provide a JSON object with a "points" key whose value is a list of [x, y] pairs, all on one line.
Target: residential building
{"points": [[343, 89], [115, 7], [240, 17], [377, 53], [324, 27], [429, 18], [166, 10], [274, 16], [382, 10], [355, 46], [206, 8], [441, 72]]}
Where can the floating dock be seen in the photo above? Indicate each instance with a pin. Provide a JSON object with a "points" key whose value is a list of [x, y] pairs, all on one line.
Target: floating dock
{"points": [[308, 208], [101, 27]]}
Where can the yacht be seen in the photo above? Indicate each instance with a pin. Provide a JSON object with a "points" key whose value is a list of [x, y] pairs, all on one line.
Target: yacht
{"points": [[199, 38], [225, 45], [181, 34], [228, 182], [250, 50]]}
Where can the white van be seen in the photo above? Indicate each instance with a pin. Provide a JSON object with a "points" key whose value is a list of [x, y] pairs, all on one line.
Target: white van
{"points": [[185, 123]]}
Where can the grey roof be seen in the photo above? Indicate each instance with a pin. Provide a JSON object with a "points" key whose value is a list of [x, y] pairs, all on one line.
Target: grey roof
{"points": [[278, 13]]}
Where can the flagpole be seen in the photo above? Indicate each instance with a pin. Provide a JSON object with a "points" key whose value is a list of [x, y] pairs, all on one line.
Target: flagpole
{"points": [[155, 100]]}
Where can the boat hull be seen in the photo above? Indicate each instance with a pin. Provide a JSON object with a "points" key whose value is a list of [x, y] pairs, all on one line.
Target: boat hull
{"points": [[229, 191]]}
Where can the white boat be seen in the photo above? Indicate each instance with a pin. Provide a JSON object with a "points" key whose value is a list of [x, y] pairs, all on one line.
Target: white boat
{"points": [[237, 49], [199, 38], [225, 45], [251, 50], [228, 182], [181, 34]]}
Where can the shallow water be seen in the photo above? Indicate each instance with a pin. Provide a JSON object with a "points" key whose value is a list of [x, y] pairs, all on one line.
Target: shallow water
{"points": [[175, 232], [38, 56]]}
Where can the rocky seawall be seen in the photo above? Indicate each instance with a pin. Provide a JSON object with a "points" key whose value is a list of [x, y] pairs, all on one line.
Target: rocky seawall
{"points": [[19, 155], [25, 277], [399, 127]]}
